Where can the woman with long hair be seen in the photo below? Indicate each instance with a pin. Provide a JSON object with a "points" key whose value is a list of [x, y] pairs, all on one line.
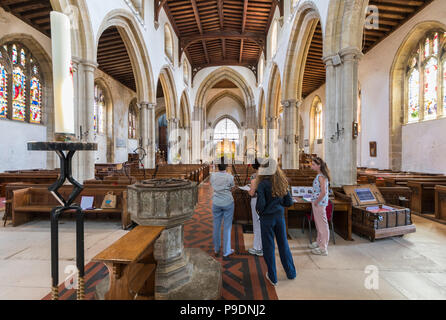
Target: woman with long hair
{"points": [[319, 204], [272, 196]]}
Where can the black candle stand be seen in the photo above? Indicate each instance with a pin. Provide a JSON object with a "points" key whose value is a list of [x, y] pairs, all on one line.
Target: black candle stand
{"points": [[66, 204]]}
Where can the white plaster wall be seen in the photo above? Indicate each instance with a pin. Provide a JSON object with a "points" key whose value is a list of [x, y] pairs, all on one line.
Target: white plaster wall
{"points": [[374, 76], [226, 106], [121, 97], [13, 147], [15, 135], [424, 147]]}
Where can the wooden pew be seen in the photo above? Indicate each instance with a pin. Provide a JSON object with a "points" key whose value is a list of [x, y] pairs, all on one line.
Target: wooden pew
{"points": [[440, 202], [423, 195], [30, 177], [402, 181], [131, 265], [39, 201]]}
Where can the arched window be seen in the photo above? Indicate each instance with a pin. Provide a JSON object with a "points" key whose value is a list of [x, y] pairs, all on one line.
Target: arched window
{"points": [[274, 38], [226, 129], [100, 119], [168, 42], [133, 124], [20, 85], [318, 133], [424, 68]]}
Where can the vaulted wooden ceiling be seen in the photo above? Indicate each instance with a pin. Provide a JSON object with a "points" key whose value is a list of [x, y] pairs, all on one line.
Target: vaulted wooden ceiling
{"points": [[220, 32], [33, 12], [114, 59], [392, 14], [314, 75]]}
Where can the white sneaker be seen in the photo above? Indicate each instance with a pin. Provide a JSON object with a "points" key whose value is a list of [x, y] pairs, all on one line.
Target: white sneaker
{"points": [[319, 252], [255, 252], [274, 284], [314, 245]]}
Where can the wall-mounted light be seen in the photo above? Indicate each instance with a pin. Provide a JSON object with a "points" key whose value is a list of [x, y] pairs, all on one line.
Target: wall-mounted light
{"points": [[339, 132]]}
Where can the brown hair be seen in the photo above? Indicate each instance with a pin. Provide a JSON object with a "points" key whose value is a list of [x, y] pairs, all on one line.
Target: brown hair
{"points": [[324, 168], [279, 183]]}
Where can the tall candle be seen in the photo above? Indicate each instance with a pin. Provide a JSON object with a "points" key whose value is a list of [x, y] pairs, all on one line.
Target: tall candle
{"points": [[62, 74]]}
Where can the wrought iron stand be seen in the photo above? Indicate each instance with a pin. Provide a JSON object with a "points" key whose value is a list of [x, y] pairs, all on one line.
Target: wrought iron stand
{"points": [[66, 205]]}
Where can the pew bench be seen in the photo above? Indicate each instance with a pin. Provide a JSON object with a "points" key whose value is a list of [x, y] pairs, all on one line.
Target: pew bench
{"points": [[131, 265], [440, 202], [28, 202]]}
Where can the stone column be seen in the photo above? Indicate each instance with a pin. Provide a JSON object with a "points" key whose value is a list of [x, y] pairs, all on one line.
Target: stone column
{"points": [[272, 136], [83, 162], [185, 146], [250, 134], [147, 122], [197, 131], [341, 110], [172, 127], [291, 134]]}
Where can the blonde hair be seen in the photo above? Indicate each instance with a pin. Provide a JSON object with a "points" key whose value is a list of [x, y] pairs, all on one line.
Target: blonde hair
{"points": [[279, 183]]}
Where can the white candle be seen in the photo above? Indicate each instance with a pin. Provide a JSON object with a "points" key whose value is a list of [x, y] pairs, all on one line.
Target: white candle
{"points": [[62, 73]]}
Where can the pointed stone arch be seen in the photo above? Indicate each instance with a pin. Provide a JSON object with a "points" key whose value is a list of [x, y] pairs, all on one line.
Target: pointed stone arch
{"points": [[133, 39], [185, 110], [397, 91], [170, 95], [305, 23], [262, 110], [221, 95], [274, 93], [46, 70], [219, 75]]}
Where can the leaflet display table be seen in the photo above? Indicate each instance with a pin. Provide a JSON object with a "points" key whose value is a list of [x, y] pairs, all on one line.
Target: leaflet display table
{"points": [[66, 204]]}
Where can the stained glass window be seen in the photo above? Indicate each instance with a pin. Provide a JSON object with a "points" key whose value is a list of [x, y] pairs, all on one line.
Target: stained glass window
{"points": [[22, 57], [435, 44], [19, 95], [3, 92], [36, 101], [14, 54], [424, 86], [427, 48], [226, 129], [21, 86], [430, 88], [99, 110], [444, 87], [132, 121], [414, 96]]}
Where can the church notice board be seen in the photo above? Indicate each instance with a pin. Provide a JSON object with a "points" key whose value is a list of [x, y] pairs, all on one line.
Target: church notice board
{"points": [[373, 218]]}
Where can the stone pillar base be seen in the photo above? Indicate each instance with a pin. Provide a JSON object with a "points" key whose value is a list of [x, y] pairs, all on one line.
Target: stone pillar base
{"points": [[205, 281]]}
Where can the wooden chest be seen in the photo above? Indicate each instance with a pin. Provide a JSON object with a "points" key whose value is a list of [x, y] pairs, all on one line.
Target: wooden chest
{"points": [[371, 216]]}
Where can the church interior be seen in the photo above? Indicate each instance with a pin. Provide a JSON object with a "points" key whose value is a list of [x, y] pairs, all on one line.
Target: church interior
{"points": [[135, 102]]}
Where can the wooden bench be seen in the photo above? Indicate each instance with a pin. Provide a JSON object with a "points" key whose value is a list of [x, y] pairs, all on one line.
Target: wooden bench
{"points": [[37, 200], [30, 177], [131, 265], [440, 202]]}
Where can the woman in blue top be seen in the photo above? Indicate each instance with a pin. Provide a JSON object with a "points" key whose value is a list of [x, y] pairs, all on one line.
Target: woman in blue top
{"points": [[320, 203], [272, 196]]}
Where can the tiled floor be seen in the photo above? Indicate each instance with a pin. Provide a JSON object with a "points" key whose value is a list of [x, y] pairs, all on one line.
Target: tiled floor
{"points": [[412, 267]]}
